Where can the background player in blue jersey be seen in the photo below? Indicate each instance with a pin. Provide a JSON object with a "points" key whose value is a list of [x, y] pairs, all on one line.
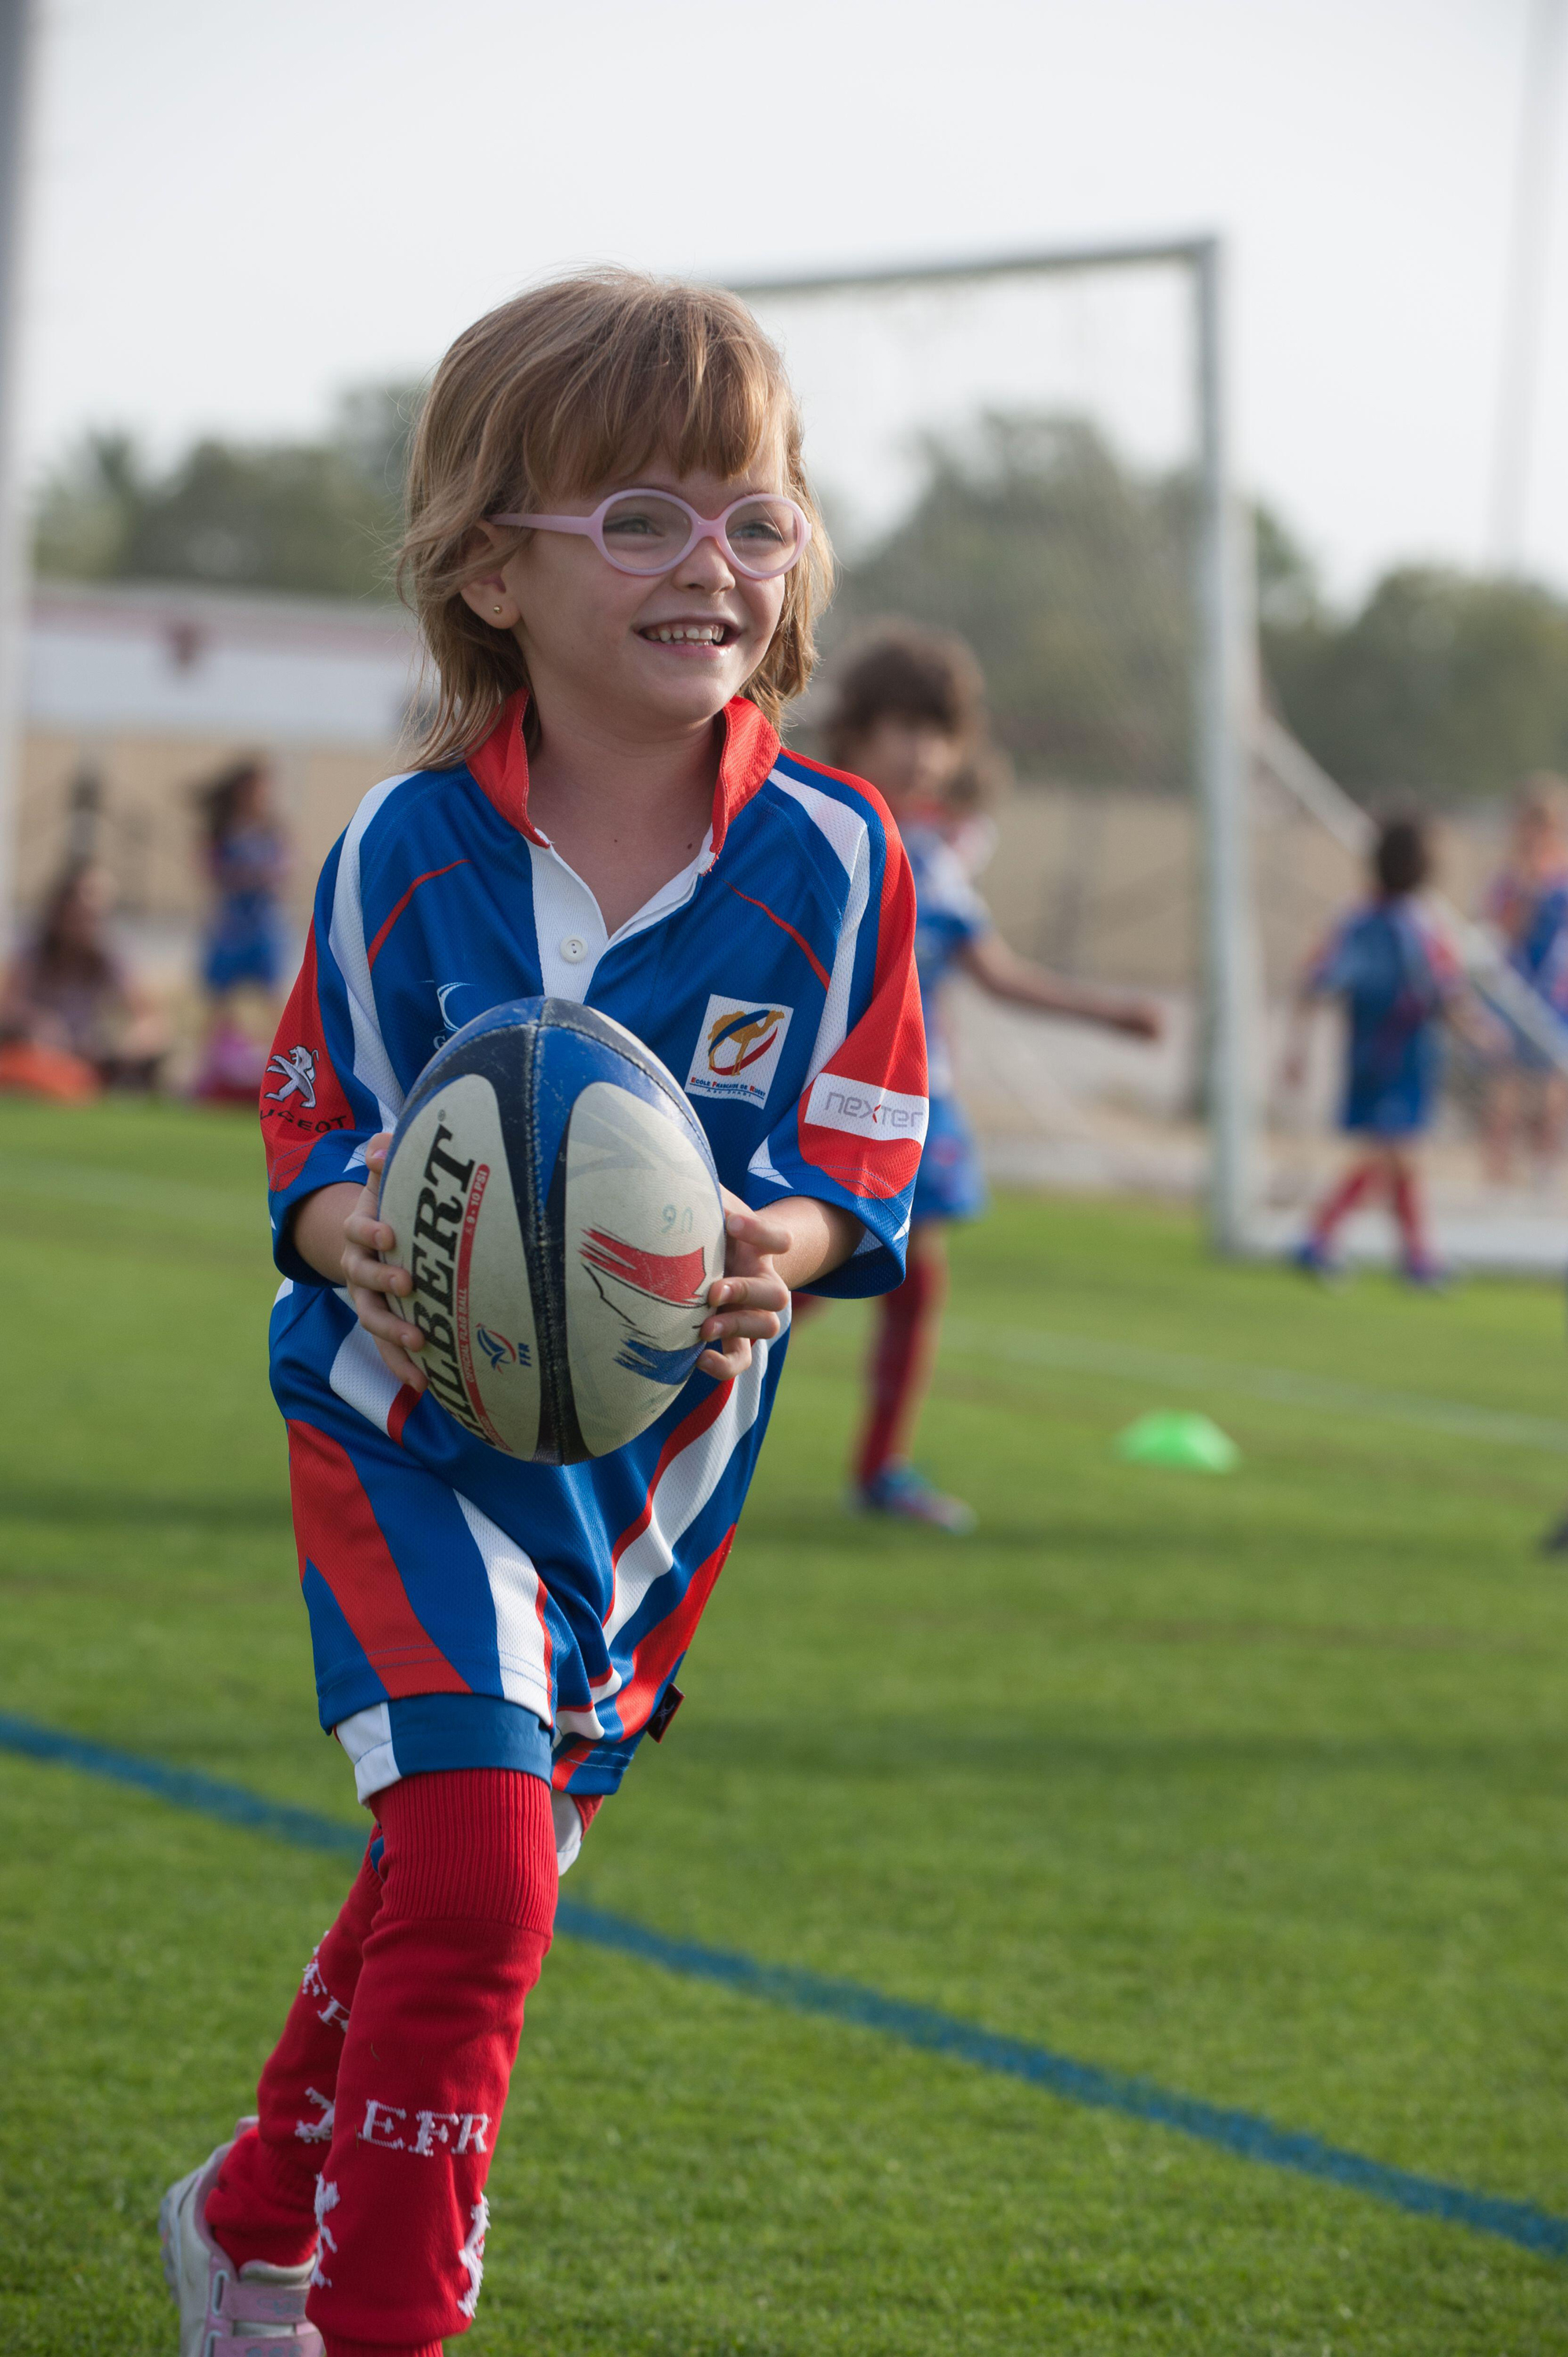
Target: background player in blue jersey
{"points": [[615, 557], [1397, 979], [1527, 903], [908, 714]]}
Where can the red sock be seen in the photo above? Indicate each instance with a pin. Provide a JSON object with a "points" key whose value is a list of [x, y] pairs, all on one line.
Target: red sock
{"points": [[455, 1947], [264, 2204], [1355, 1182], [1407, 1211], [900, 1364]]}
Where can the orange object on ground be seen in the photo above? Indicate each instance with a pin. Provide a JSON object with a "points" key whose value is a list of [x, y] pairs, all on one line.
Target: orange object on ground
{"points": [[51, 1073]]}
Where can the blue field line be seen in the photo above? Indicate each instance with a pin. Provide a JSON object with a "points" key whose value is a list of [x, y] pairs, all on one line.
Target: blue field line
{"points": [[1244, 2134]]}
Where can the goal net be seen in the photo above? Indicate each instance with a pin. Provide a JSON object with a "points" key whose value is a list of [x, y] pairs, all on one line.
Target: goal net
{"points": [[1032, 453]]}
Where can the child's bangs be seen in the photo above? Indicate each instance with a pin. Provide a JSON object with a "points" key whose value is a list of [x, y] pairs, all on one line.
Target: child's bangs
{"points": [[692, 392]]}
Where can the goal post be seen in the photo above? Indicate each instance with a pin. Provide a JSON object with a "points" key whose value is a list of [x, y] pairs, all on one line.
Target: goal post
{"points": [[1222, 655]]}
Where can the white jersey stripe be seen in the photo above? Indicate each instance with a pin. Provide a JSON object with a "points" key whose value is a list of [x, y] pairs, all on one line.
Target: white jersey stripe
{"points": [[514, 1593], [684, 1488], [360, 1377], [372, 1065], [851, 839]]}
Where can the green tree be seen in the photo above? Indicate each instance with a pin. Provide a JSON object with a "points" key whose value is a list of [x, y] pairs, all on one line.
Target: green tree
{"points": [[1069, 574], [320, 519], [1443, 685]]}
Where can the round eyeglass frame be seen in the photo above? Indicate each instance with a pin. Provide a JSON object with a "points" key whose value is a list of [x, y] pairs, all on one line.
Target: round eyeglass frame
{"points": [[592, 527]]}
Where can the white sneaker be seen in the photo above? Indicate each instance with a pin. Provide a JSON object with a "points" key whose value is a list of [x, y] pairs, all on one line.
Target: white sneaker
{"points": [[222, 2313]]}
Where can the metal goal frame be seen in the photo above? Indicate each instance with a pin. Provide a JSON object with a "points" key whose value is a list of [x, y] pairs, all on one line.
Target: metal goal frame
{"points": [[1224, 673]]}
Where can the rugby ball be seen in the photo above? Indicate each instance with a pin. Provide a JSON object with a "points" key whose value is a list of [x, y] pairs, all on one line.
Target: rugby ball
{"points": [[554, 1201]]}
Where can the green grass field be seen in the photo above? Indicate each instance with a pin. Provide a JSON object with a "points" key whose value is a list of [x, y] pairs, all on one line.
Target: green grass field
{"points": [[1253, 1786]]}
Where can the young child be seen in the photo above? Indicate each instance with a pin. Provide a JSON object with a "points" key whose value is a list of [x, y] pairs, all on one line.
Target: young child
{"points": [[245, 852], [615, 560], [1527, 903], [909, 715], [1398, 979]]}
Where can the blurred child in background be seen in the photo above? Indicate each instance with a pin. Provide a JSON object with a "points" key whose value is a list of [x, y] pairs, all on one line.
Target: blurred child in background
{"points": [[909, 715], [245, 850], [1398, 980], [72, 1020], [1526, 1096]]}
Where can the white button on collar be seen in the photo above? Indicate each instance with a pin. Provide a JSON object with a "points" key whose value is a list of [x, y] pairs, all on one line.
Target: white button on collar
{"points": [[574, 949]]}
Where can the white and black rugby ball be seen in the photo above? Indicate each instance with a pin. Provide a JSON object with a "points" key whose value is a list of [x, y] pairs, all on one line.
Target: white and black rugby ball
{"points": [[555, 1202]]}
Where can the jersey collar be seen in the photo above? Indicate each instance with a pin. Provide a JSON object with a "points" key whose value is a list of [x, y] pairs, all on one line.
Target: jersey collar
{"points": [[500, 766]]}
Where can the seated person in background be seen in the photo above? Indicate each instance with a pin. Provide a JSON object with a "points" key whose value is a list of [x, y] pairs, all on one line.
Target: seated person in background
{"points": [[71, 1019], [1526, 1096]]}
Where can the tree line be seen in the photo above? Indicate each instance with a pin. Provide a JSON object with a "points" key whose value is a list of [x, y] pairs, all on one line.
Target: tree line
{"points": [[1068, 570]]}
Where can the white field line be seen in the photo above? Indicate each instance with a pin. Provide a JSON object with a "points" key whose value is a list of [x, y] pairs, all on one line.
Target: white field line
{"points": [[1085, 1354], [122, 1191]]}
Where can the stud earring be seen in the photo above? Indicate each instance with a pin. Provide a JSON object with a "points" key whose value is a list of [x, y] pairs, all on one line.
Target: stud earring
{"points": [[498, 610]]}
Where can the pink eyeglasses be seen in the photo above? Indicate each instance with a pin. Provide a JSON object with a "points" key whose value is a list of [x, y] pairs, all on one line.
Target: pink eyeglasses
{"points": [[652, 531]]}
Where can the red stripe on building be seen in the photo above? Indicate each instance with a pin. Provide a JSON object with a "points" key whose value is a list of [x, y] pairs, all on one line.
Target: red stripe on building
{"points": [[337, 1530], [373, 953]]}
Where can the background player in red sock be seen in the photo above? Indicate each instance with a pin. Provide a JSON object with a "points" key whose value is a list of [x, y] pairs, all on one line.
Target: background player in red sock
{"points": [[909, 715], [614, 556], [1398, 979]]}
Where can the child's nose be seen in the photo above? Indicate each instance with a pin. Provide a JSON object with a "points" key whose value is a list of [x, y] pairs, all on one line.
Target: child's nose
{"points": [[706, 568]]}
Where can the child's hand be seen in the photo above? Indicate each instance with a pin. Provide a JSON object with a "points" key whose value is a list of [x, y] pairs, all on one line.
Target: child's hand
{"points": [[1140, 1018], [374, 1284], [749, 1297]]}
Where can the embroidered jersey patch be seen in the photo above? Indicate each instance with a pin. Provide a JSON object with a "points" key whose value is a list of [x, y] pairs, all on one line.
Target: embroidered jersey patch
{"points": [[738, 1047]]}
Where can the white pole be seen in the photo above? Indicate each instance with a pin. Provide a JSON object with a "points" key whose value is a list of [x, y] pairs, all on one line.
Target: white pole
{"points": [[1519, 367], [16, 60], [1222, 674]]}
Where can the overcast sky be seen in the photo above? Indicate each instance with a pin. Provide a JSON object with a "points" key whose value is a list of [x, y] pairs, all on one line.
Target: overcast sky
{"points": [[235, 213]]}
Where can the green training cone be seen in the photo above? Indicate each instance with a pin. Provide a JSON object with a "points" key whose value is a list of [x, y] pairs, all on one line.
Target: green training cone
{"points": [[1172, 1436]]}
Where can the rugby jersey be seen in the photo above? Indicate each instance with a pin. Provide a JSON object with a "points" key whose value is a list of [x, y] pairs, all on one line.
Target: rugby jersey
{"points": [[775, 976], [949, 915]]}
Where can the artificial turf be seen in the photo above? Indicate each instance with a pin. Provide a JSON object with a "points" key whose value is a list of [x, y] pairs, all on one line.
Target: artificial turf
{"points": [[1250, 1785]]}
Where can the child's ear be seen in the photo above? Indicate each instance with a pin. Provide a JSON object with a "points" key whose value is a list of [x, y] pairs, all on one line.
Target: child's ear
{"points": [[490, 598]]}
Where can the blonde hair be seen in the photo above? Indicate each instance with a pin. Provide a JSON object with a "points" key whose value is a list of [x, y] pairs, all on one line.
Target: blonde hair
{"points": [[570, 386]]}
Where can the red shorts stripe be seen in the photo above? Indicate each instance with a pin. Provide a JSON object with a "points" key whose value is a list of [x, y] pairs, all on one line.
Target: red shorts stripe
{"points": [[336, 1528]]}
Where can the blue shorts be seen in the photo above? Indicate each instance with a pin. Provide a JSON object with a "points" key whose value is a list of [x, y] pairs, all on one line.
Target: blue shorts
{"points": [[247, 945], [1397, 1112], [949, 1185]]}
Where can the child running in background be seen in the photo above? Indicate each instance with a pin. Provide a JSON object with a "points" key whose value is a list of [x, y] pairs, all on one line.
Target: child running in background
{"points": [[908, 714], [245, 849], [615, 559], [1398, 980], [1527, 902]]}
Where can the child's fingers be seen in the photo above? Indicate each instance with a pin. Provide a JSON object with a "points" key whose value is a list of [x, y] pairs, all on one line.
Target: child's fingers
{"points": [[725, 1364], [754, 1228], [372, 1234], [764, 1292], [399, 1365], [760, 1325], [362, 1268], [379, 1316]]}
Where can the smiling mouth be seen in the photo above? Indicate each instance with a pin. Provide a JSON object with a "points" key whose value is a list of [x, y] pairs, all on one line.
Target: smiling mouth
{"points": [[689, 634]]}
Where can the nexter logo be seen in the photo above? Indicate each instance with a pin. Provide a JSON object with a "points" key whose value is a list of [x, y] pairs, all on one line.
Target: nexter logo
{"points": [[737, 1049], [866, 1111]]}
